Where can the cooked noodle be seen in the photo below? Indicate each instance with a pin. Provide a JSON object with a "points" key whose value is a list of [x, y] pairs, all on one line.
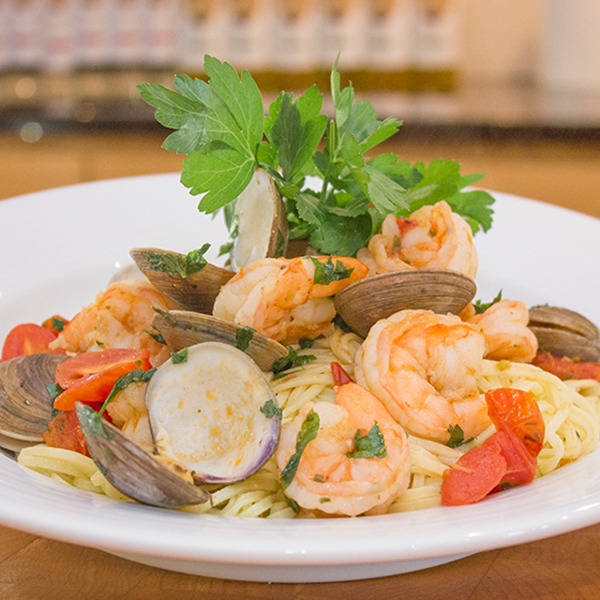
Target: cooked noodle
{"points": [[571, 412]]}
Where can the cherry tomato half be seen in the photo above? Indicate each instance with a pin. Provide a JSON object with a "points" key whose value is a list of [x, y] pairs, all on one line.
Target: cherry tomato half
{"points": [[90, 377], [28, 338]]}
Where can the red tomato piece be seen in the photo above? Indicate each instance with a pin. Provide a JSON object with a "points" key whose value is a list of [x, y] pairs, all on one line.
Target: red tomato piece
{"points": [[65, 432], [340, 377], [517, 411], [474, 475], [566, 368], [520, 464], [90, 377], [55, 324], [28, 338]]}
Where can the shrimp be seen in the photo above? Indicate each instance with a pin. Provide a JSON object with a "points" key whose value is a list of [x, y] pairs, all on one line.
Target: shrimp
{"points": [[504, 327], [424, 368], [279, 298], [432, 237], [120, 317], [329, 480]]}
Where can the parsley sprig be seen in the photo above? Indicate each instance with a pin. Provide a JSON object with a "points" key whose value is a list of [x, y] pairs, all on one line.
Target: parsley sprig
{"points": [[222, 128]]}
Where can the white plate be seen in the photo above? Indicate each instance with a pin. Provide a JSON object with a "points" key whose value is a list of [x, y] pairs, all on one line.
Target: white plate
{"points": [[59, 247]]}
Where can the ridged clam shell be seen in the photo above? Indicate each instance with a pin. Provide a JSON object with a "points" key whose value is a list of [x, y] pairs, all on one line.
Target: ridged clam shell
{"points": [[25, 405], [182, 329], [563, 332], [365, 302], [196, 292]]}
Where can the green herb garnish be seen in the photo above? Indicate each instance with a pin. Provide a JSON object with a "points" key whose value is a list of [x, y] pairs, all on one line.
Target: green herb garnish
{"points": [[243, 337], [326, 272], [371, 445], [173, 263], [58, 324], [166, 315], [481, 307], [157, 337], [457, 437], [292, 360], [135, 376], [307, 433], [270, 410], [179, 357], [221, 127]]}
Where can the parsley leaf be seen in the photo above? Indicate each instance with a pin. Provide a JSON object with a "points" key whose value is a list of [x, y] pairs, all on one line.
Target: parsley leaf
{"points": [[326, 273], [457, 437], [173, 263], [179, 357], [481, 307], [308, 432], [243, 337], [270, 410], [135, 376], [371, 445], [292, 360]]}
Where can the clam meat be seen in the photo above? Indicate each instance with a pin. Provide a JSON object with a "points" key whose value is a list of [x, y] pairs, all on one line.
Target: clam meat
{"points": [[214, 412]]}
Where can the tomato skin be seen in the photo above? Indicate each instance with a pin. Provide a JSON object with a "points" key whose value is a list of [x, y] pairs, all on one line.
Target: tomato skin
{"points": [[28, 338], [90, 377], [517, 411], [520, 464], [65, 432], [340, 377], [475, 475], [566, 368]]}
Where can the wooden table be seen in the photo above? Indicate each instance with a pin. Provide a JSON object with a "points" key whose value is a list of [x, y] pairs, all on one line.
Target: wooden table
{"points": [[565, 567]]}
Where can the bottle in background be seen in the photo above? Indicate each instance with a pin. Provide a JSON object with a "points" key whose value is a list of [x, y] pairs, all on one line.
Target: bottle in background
{"points": [[27, 39], [251, 40], [61, 25], [297, 36], [96, 44], [129, 27], [159, 35], [345, 33], [391, 44], [436, 44]]}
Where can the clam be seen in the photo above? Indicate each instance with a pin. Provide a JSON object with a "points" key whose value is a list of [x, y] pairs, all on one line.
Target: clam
{"points": [[25, 405], [194, 290], [133, 471], [214, 412], [563, 332], [261, 222], [181, 329], [364, 302]]}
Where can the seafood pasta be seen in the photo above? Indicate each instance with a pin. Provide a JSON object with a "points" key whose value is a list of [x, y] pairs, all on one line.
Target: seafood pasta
{"points": [[357, 376]]}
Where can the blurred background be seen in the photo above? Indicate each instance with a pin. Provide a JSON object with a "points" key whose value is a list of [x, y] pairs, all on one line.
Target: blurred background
{"points": [[506, 87]]}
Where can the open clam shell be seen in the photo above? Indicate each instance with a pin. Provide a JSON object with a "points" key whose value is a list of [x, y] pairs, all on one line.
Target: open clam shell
{"points": [[365, 302], [181, 329], [563, 332], [215, 413], [197, 291], [262, 227], [131, 470], [25, 405]]}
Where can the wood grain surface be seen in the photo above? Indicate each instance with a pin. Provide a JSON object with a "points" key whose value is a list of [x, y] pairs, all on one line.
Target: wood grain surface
{"points": [[562, 568]]}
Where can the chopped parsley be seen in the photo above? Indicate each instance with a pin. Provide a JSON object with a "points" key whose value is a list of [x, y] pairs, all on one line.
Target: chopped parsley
{"points": [[308, 432], [371, 445], [157, 337], [326, 272], [135, 376], [481, 307], [457, 437], [270, 410], [179, 357], [292, 360], [243, 337], [173, 263]]}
